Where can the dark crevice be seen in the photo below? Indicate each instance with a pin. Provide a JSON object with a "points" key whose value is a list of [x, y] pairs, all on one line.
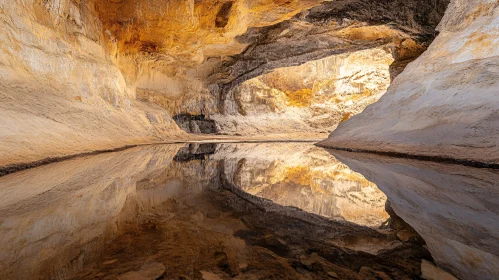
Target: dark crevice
{"points": [[195, 152], [223, 15], [197, 124]]}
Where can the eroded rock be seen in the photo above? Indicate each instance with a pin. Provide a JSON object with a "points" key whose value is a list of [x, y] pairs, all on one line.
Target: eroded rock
{"points": [[314, 97], [79, 76], [452, 207], [445, 103]]}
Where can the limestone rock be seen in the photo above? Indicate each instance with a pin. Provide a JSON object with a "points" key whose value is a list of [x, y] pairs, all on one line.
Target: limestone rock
{"points": [[79, 76], [60, 92], [445, 104], [432, 272], [313, 97]]}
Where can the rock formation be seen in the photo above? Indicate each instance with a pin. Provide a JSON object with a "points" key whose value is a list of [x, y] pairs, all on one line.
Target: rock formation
{"points": [[445, 104], [79, 76], [303, 176], [454, 208], [60, 91], [313, 97]]}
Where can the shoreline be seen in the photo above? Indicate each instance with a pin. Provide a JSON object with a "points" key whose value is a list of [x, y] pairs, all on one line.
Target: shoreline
{"points": [[13, 168]]}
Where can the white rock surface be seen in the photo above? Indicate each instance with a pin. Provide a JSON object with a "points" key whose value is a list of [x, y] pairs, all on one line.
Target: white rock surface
{"points": [[60, 93], [313, 97], [446, 103]]}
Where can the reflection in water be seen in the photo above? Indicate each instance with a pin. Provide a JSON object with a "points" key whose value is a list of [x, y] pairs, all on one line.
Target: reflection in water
{"points": [[306, 177], [454, 208], [239, 211]]}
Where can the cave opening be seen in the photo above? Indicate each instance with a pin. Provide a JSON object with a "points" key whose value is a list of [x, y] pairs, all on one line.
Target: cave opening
{"points": [[302, 77], [311, 99], [308, 100]]}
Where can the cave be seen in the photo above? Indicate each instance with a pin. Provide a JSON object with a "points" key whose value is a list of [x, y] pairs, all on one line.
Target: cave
{"points": [[235, 139], [196, 124]]}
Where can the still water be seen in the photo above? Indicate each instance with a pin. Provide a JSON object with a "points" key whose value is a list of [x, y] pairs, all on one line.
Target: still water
{"points": [[247, 211]]}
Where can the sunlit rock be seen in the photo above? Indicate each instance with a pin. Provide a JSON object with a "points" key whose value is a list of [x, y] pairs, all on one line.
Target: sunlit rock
{"points": [[80, 76], [445, 103], [60, 92], [314, 97]]}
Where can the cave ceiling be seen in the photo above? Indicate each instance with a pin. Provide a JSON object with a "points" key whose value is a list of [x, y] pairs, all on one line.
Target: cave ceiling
{"points": [[228, 42]]}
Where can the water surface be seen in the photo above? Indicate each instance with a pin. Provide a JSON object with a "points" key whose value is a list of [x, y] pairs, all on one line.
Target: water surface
{"points": [[246, 211]]}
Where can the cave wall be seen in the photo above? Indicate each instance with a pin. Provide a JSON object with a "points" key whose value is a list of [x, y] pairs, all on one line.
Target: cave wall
{"points": [[311, 98], [334, 27], [445, 104], [167, 49], [60, 92], [79, 76], [186, 55], [248, 106]]}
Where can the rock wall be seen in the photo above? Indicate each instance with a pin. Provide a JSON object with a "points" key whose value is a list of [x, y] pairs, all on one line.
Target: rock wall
{"points": [[79, 76], [60, 92], [445, 104], [167, 49], [313, 97], [184, 56]]}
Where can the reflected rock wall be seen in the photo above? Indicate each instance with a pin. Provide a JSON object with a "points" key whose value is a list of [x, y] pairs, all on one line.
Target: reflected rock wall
{"points": [[59, 217], [454, 208], [305, 177], [53, 215]]}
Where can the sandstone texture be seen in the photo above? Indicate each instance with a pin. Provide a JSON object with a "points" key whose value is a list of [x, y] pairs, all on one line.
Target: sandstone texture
{"points": [[60, 93], [79, 76], [445, 104], [313, 97]]}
